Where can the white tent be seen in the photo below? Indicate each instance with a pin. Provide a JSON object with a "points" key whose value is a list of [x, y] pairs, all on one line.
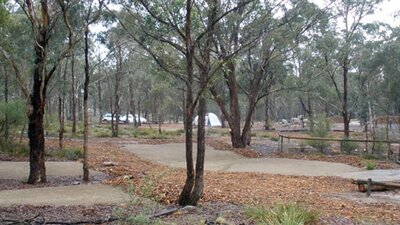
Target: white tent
{"points": [[211, 120]]}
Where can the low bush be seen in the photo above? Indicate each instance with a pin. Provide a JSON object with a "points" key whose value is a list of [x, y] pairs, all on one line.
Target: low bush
{"points": [[280, 214], [349, 146], [370, 165], [13, 148]]}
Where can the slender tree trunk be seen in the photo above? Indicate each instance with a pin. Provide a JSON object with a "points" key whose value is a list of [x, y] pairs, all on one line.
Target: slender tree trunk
{"points": [[61, 108], [139, 113], [185, 196], [116, 89], [85, 109], [345, 112], [6, 122], [100, 100], [73, 93], [132, 105], [267, 125]]}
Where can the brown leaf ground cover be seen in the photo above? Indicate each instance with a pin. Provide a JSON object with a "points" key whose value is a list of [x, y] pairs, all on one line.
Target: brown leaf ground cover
{"points": [[326, 195]]}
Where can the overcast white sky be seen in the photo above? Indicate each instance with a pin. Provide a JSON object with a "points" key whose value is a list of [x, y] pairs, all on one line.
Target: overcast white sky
{"points": [[384, 12]]}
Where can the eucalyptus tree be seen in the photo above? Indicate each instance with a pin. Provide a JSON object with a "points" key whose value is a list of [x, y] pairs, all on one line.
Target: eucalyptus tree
{"points": [[350, 15], [91, 14], [183, 29], [254, 42], [43, 19]]}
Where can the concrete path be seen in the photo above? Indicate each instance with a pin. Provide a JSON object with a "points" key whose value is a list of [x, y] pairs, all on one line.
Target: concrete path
{"points": [[20, 170], [375, 175], [82, 194], [174, 155]]}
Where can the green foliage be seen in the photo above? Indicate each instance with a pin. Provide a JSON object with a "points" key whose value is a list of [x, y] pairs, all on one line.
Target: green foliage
{"points": [[370, 165], [321, 129], [74, 154], [68, 153], [321, 126], [318, 144], [348, 146], [274, 138], [280, 214], [12, 148], [154, 134], [12, 113]]}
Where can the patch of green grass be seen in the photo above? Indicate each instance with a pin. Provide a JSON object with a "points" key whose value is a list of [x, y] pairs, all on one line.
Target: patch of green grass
{"points": [[273, 138], [280, 214], [154, 134], [69, 153], [369, 156], [370, 165], [13, 148], [321, 145]]}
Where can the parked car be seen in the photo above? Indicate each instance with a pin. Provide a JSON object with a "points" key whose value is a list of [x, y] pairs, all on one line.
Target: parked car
{"points": [[107, 118], [142, 119], [130, 119]]}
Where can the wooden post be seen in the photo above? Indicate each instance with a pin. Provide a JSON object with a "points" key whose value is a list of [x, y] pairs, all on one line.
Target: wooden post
{"points": [[281, 145], [369, 181]]}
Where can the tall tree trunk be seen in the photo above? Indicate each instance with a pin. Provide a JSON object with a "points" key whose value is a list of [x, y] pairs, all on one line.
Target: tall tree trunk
{"points": [[118, 75], [61, 108], [73, 93], [267, 125], [6, 122], [139, 123], [345, 108], [132, 105], [100, 100], [36, 113], [85, 108], [185, 196]]}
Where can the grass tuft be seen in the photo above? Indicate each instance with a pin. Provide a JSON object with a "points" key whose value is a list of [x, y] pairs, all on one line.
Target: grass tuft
{"points": [[280, 214]]}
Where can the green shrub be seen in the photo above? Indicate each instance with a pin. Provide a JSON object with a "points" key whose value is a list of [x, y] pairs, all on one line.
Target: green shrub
{"points": [[12, 148], [73, 154], [348, 146], [370, 165], [321, 129], [69, 153], [280, 214], [274, 138], [318, 144], [321, 126]]}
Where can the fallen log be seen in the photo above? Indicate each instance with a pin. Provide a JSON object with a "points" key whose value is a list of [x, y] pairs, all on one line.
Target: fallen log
{"points": [[375, 185]]}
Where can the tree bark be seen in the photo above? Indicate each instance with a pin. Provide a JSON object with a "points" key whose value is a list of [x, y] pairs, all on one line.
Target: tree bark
{"points": [[73, 93], [6, 122], [85, 107], [37, 106], [345, 112], [267, 125], [185, 196], [118, 75], [61, 108]]}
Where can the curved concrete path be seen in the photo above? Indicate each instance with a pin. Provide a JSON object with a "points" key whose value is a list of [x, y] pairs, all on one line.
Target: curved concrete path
{"points": [[174, 155], [82, 194]]}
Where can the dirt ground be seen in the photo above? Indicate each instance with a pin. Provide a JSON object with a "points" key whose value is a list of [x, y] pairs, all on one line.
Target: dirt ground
{"points": [[336, 200]]}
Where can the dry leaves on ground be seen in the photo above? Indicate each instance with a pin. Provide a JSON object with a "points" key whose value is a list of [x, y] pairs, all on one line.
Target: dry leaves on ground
{"points": [[324, 194]]}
